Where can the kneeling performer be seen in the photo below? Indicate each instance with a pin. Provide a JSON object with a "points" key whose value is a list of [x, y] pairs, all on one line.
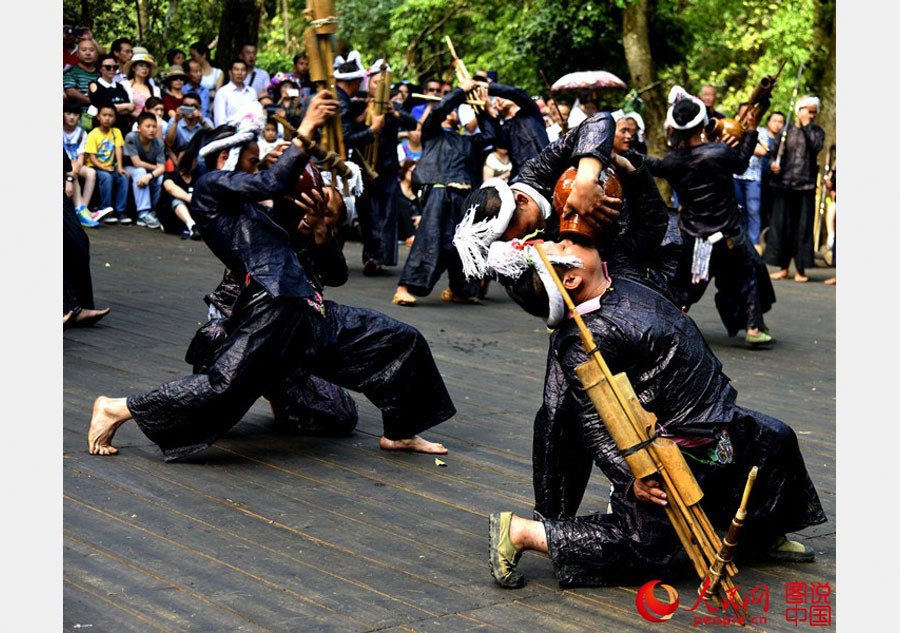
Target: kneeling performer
{"points": [[677, 378], [282, 321]]}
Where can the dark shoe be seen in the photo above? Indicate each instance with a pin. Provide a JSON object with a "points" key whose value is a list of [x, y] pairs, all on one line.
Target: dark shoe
{"points": [[503, 554], [195, 233], [185, 234], [786, 551], [371, 268], [123, 219]]}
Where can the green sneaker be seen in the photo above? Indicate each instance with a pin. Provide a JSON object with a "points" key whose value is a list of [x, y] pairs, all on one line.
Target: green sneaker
{"points": [[791, 552], [755, 340], [503, 554]]}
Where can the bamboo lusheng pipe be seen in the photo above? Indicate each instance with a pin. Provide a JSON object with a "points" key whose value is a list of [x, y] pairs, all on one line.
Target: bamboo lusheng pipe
{"points": [[461, 73], [790, 114], [476, 102], [377, 107], [689, 522], [726, 553], [758, 103]]}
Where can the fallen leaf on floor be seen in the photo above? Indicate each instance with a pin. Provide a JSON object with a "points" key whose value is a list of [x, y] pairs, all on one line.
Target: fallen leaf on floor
{"points": [[438, 462]]}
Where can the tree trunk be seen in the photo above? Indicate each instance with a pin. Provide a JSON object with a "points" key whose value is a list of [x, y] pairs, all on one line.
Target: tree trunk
{"points": [[239, 25], [87, 18], [171, 12], [142, 21], [636, 41], [286, 22], [827, 95]]}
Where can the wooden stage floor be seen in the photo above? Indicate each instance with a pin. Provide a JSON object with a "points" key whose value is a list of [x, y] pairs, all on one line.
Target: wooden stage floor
{"points": [[271, 532]]}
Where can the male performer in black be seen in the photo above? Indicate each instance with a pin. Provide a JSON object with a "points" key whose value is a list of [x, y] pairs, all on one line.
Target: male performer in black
{"points": [[522, 127], [450, 166], [282, 321], [676, 377], [378, 215], [715, 242]]}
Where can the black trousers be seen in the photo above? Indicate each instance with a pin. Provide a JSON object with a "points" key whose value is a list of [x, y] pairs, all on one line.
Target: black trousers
{"points": [[378, 221], [388, 361], [744, 290], [432, 251], [636, 542], [791, 230], [78, 291]]}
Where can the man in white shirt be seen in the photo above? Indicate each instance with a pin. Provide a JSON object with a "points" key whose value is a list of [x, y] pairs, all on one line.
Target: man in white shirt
{"points": [[234, 94], [257, 78]]}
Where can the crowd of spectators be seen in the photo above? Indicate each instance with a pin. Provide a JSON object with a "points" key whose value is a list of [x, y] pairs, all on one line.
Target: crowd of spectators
{"points": [[126, 123]]}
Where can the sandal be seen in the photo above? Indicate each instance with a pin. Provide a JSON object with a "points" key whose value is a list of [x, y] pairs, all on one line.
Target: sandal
{"points": [[449, 295], [403, 298]]}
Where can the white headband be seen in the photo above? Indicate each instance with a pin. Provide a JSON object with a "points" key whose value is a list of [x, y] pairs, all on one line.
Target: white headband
{"points": [[807, 102], [618, 115], [472, 239], [637, 119], [511, 259], [249, 120], [353, 74], [676, 94]]}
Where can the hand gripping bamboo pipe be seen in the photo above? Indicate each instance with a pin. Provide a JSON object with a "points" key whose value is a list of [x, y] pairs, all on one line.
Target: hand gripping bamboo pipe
{"points": [[629, 424]]}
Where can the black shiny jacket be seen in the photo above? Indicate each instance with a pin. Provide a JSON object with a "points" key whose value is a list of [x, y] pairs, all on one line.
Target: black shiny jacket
{"points": [[388, 165], [798, 162], [448, 156], [356, 135], [703, 178], [593, 137], [241, 233], [525, 134]]}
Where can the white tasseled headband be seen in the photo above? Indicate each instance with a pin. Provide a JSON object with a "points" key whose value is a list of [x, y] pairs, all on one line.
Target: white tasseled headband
{"points": [[511, 259], [249, 120], [472, 239], [807, 102], [676, 94]]}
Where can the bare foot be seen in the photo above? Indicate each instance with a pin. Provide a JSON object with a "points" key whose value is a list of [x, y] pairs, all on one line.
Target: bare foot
{"points": [[87, 318], [415, 444], [67, 316], [105, 419], [831, 282], [781, 274], [802, 279], [403, 298]]}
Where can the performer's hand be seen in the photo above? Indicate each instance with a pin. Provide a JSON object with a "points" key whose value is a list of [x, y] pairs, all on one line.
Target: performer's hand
{"points": [[468, 85], [775, 167], [649, 491], [316, 208], [750, 121], [622, 164], [731, 141], [274, 154], [588, 198], [321, 108]]}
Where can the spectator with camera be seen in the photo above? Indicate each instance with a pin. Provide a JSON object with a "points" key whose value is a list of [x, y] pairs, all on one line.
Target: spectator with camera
{"points": [[185, 123], [107, 91], [104, 153], [147, 155]]}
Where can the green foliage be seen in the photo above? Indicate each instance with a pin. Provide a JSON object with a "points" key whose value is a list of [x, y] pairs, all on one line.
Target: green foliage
{"points": [[728, 43]]}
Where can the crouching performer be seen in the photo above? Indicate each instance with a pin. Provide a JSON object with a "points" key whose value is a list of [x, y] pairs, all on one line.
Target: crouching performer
{"points": [[281, 320], [677, 378]]}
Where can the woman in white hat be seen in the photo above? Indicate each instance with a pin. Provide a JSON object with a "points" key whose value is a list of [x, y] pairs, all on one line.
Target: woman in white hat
{"points": [[139, 69]]}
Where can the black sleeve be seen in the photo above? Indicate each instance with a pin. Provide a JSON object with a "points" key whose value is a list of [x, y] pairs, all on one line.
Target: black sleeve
{"points": [[441, 111], [329, 264], [406, 120], [359, 138], [744, 152], [516, 95], [489, 131], [647, 216], [815, 139]]}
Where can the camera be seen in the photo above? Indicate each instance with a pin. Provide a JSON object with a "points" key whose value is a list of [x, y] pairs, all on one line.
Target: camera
{"points": [[293, 92], [77, 31], [187, 109]]}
